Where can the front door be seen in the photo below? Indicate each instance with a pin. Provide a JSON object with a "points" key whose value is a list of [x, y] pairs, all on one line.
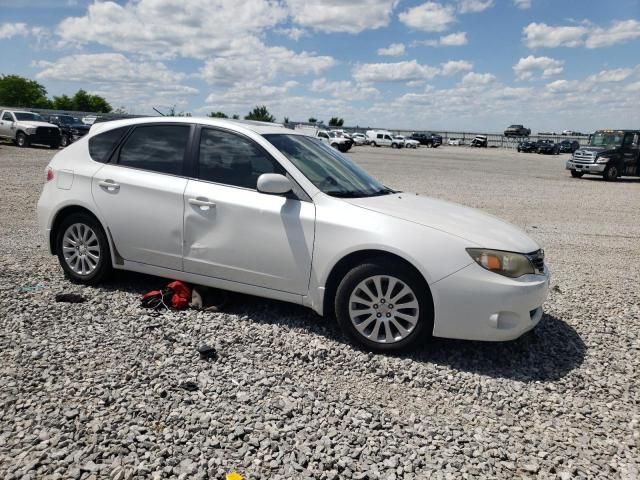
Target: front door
{"points": [[631, 154], [140, 194], [232, 231], [6, 125]]}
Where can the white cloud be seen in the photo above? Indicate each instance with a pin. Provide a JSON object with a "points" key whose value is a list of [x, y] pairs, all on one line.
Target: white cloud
{"points": [[474, 6], [351, 16], [618, 32], [429, 17], [344, 89], [541, 35], [394, 72], [293, 33], [168, 28], [456, 66], [8, 30], [393, 50], [562, 86], [477, 79], [522, 4], [120, 80], [266, 63], [452, 40], [610, 76], [526, 68], [538, 35]]}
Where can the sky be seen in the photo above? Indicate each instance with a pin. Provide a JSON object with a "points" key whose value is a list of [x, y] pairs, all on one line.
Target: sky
{"points": [[472, 65]]}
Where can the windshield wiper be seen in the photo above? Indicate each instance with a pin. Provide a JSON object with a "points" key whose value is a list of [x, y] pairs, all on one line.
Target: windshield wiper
{"points": [[360, 194]]}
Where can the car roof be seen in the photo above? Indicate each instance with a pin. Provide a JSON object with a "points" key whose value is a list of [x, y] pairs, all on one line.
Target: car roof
{"points": [[261, 128]]}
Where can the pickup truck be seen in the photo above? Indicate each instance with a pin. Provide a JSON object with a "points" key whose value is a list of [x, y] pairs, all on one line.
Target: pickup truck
{"points": [[517, 131], [326, 136], [28, 128], [70, 128], [427, 139]]}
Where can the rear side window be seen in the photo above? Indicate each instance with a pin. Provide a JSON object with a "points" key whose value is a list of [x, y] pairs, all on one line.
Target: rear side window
{"points": [[233, 160], [102, 145], [159, 148]]}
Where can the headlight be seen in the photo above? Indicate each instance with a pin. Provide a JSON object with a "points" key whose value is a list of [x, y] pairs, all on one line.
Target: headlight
{"points": [[601, 159], [30, 130], [509, 264]]}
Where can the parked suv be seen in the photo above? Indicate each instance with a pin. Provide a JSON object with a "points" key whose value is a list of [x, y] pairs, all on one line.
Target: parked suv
{"points": [[517, 131], [264, 210], [28, 128], [611, 153], [428, 139], [527, 146], [569, 146], [547, 147], [70, 128]]}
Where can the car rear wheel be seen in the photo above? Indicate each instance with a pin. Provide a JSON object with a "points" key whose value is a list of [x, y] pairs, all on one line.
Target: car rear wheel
{"points": [[384, 306], [576, 174], [22, 140], [82, 249]]}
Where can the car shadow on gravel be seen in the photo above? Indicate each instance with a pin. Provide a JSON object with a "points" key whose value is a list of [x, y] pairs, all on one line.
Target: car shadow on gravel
{"points": [[547, 353]]}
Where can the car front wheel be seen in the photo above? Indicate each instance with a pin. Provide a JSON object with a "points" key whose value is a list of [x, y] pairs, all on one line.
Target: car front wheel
{"points": [[384, 306], [22, 140], [82, 249], [611, 173], [64, 141], [576, 174]]}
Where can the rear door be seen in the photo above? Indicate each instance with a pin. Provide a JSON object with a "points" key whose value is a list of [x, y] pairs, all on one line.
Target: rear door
{"points": [[630, 153], [232, 231], [140, 194]]}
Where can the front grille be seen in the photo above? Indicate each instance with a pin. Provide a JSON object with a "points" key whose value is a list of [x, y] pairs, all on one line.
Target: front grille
{"points": [[537, 260], [581, 156], [47, 133]]}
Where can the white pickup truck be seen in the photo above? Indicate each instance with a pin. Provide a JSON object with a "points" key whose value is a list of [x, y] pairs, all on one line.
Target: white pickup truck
{"points": [[28, 128], [330, 138]]}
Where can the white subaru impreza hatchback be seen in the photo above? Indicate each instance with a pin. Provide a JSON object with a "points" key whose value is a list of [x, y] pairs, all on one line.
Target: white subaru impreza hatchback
{"points": [[263, 210]]}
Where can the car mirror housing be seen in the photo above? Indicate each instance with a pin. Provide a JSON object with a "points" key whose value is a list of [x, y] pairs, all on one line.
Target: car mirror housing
{"points": [[274, 184]]}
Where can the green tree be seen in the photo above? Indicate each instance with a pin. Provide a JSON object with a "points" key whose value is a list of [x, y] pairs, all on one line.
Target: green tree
{"points": [[83, 102], [312, 120], [336, 122], [261, 114], [217, 115], [63, 102], [286, 119], [17, 91], [235, 116]]}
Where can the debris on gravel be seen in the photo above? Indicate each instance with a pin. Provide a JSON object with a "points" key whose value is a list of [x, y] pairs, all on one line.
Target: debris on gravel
{"points": [[102, 389]]}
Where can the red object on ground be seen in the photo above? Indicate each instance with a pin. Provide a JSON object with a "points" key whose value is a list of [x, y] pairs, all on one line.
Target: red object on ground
{"points": [[181, 294]]}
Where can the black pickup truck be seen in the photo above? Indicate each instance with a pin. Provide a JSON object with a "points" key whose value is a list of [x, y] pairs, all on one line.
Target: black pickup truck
{"points": [[70, 128], [610, 153], [429, 139]]}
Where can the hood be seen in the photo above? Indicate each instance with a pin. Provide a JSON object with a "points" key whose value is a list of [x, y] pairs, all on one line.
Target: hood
{"points": [[79, 126], [481, 229], [596, 149], [36, 124]]}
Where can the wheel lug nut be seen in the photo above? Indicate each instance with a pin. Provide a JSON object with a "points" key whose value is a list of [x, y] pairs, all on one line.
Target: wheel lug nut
{"points": [[378, 315], [391, 305], [388, 315], [382, 301], [375, 305]]}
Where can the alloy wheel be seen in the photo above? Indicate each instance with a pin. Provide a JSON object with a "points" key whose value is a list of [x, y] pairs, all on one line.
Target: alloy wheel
{"points": [[81, 249], [384, 309]]}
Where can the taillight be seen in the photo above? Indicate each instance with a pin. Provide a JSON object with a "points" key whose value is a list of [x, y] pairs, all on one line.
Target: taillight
{"points": [[49, 174]]}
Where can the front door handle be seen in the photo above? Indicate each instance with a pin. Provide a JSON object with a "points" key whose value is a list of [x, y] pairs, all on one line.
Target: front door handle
{"points": [[202, 202], [109, 185]]}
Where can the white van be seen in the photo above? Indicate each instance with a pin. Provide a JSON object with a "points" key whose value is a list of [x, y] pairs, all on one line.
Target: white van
{"points": [[383, 138]]}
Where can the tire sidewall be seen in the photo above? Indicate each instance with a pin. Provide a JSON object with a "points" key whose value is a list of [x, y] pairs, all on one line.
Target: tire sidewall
{"points": [[25, 141], [104, 264], [423, 329]]}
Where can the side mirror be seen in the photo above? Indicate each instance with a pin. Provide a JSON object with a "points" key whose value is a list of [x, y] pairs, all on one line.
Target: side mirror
{"points": [[274, 184]]}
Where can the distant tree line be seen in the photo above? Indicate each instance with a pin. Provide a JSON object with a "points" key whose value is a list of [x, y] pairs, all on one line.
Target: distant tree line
{"points": [[17, 91]]}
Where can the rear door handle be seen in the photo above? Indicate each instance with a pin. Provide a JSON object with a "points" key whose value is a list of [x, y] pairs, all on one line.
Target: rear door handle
{"points": [[109, 185], [202, 202]]}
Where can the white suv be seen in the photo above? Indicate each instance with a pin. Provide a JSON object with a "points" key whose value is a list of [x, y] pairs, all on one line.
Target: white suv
{"points": [[268, 211]]}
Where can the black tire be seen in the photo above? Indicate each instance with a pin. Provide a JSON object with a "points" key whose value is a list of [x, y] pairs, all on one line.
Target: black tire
{"points": [[22, 140], [373, 144], [519, 150], [576, 174], [103, 267], [424, 325], [611, 173], [64, 141], [334, 145]]}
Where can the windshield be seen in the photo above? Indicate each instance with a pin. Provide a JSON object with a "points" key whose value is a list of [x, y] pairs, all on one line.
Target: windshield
{"points": [[66, 119], [325, 167], [29, 117], [606, 139]]}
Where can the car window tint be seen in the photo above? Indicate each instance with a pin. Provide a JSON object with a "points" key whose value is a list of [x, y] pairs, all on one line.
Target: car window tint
{"points": [[101, 145], [233, 160], [159, 148]]}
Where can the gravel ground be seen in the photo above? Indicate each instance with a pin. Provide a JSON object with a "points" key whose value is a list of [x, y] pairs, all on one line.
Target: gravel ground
{"points": [[103, 390]]}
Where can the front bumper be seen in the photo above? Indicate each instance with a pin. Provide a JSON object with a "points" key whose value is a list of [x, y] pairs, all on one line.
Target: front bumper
{"points": [[586, 167], [475, 304]]}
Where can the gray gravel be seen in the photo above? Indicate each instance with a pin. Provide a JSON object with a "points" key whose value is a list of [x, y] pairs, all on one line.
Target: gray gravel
{"points": [[103, 389]]}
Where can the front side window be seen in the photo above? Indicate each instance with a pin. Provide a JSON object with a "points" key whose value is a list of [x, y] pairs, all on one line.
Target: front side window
{"points": [[7, 116], [158, 148], [325, 167], [233, 160], [29, 117], [101, 146]]}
